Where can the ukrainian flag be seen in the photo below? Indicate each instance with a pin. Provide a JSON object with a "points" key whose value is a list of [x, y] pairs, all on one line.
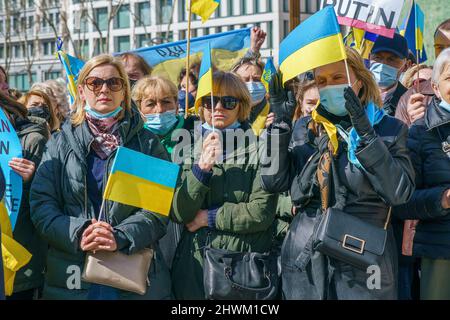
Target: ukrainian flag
{"points": [[315, 42], [367, 44], [413, 29], [14, 255], [142, 181], [268, 73], [205, 78], [204, 8], [72, 66], [168, 59]]}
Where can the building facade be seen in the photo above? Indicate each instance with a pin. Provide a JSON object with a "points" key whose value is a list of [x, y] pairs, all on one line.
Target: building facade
{"points": [[29, 29]]}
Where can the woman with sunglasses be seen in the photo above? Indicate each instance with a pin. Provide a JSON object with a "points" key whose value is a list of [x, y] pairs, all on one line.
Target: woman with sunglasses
{"points": [[66, 196], [218, 194], [355, 158]]}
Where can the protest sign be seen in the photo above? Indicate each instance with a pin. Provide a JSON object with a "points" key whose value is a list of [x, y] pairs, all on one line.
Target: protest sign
{"points": [[10, 147], [376, 16]]}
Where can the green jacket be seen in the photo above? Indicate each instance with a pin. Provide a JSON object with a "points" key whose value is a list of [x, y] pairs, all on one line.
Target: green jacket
{"points": [[62, 210], [33, 135], [244, 218]]}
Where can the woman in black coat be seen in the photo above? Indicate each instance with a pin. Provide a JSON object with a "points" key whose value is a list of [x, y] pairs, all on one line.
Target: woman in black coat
{"points": [[371, 175], [428, 142]]}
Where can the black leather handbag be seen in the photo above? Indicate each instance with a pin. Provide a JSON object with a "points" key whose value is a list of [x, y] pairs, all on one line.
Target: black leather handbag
{"points": [[351, 240], [229, 275]]}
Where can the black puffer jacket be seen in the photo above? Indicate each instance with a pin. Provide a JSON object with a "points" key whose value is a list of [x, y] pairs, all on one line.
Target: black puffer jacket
{"points": [[387, 179], [432, 166]]}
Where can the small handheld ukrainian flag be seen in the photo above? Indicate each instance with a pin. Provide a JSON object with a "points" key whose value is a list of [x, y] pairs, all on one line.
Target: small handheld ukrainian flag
{"points": [[142, 181], [204, 8], [314, 43], [205, 78], [72, 66], [268, 73], [413, 29]]}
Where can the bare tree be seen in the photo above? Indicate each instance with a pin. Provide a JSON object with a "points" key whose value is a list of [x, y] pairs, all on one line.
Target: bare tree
{"points": [[6, 35]]}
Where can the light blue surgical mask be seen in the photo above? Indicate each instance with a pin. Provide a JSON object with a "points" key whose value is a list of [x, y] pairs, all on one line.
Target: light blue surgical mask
{"points": [[444, 104], [257, 91], [98, 115], [384, 74], [161, 123], [332, 98]]}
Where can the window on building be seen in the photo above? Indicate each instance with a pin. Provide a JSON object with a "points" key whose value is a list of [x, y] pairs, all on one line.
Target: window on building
{"points": [[2, 52], [256, 6], [243, 7], [122, 43], [286, 28], [81, 21], [16, 51], [82, 47], [165, 11], [48, 48], [143, 12], [101, 18], [286, 5], [143, 40], [52, 75], [100, 47], [230, 8], [21, 81], [122, 19], [269, 32]]}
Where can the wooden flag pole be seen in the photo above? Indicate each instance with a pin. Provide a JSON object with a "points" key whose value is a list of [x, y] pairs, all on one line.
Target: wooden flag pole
{"points": [[188, 60], [417, 61], [348, 73]]}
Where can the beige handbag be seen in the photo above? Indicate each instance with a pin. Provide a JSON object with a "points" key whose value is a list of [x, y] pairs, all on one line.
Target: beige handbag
{"points": [[118, 270]]}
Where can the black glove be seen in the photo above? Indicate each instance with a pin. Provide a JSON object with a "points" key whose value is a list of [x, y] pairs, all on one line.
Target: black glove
{"points": [[358, 116], [282, 101]]}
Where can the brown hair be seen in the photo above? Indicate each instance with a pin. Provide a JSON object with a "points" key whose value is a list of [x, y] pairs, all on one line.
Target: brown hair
{"points": [[4, 72], [156, 86], [143, 65], [101, 60], [302, 87], [228, 83], [54, 122], [369, 90], [248, 62], [444, 25]]}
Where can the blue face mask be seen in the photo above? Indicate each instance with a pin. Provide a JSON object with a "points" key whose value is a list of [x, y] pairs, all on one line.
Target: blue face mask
{"points": [[332, 98], [257, 91], [161, 123], [182, 99], [384, 75], [98, 115], [444, 105]]}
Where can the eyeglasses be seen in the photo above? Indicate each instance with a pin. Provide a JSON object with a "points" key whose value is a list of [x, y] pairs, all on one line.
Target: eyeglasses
{"points": [[96, 84], [227, 102]]}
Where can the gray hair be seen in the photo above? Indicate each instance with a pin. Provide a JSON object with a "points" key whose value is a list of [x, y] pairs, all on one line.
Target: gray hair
{"points": [[439, 65]]}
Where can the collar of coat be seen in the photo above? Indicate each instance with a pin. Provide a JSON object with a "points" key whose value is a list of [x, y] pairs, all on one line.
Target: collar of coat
{"points": [[80, 137], [435, 116], [391, 101]]}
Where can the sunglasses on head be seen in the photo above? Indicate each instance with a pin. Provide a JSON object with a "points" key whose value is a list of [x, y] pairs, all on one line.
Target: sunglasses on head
{"points": [[96, 84], [227, 102]]}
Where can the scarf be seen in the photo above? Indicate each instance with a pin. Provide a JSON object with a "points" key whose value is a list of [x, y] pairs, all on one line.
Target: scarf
{"points": [[106, 135]]}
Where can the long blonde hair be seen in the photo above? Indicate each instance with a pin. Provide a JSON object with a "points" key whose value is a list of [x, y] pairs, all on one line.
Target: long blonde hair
{"points": [[101, 60], [369, 90]]}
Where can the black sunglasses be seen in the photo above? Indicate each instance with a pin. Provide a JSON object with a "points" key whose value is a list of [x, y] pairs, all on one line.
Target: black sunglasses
{"points": [[96, 84], [227, 102]]}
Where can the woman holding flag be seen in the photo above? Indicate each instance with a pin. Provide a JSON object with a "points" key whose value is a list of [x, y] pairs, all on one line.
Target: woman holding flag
{"points": [[356, 160], [220, 198], [68, 189]]}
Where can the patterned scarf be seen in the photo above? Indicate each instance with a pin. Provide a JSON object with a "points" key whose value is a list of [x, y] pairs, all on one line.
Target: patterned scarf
{"points": [[106, 135]]}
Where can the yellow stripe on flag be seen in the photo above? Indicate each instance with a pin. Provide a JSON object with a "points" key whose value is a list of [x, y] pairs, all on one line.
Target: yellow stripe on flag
{"points": [[260, 123], [204, 88], [134, 191], [331, 50]]}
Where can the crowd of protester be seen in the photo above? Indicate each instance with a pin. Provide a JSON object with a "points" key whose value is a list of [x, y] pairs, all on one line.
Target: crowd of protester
{"points": [[395, 172]]}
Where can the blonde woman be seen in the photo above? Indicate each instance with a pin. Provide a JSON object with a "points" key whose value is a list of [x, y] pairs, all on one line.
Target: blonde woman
{"points": [[40, 105], [220, 197], [67, 191], [367, 168]]}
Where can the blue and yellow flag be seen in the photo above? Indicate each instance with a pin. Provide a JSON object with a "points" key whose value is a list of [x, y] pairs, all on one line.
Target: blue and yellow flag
{"points": [[315, 42], [205, 78], [204, 8], [413, 30], [268, 73], [14, 255], [142, 181], [168, 59], [72, 66]]}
